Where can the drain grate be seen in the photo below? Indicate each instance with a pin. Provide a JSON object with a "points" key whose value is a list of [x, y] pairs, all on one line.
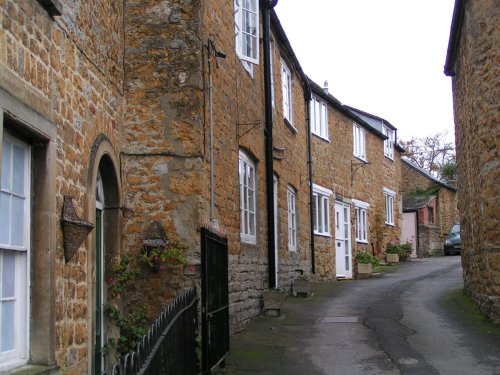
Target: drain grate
{"points": [[339, 319]]}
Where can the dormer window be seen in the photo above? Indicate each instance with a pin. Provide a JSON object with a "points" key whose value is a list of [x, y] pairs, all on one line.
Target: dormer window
{"points": [[389, 142], [359, 142]]}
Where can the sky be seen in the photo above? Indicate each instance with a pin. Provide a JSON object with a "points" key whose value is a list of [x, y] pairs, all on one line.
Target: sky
{"points": [[384, 57]]}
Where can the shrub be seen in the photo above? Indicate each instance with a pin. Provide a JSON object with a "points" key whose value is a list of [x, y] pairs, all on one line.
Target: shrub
{"points": [[403, 250], [364, 257]]}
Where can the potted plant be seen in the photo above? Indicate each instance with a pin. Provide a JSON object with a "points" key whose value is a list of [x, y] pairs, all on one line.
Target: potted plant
{"points": [[393, 251], [273, 300], [301, 286], [365, 263]]}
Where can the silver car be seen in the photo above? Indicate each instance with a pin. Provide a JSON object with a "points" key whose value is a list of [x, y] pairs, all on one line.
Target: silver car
{"points": [[452, 243]]}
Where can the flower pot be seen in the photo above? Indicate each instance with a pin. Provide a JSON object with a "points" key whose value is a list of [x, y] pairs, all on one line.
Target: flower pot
{"points": [[301, 288], [392, 258], [273, 300], [364, 270]]}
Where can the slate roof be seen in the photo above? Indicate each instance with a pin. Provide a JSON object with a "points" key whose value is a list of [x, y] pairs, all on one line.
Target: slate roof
{"points": [[428, 175], [414, 202]]}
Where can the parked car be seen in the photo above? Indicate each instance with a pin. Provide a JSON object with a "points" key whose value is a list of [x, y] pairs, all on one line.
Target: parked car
{"points": [[452, 243]]}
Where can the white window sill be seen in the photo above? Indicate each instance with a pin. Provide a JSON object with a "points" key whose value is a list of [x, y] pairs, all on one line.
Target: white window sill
{"points": [[290, 125], [388, 157], [360, 158], [326, 139], [361, 241], [292, 249], [390, 224], [248, 240], [323, 234]]}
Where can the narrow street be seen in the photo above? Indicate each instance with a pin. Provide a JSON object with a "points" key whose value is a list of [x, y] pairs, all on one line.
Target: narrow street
{"points": [[411, 320]]}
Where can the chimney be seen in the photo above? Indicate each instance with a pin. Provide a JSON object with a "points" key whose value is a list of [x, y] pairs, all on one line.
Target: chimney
{"points": [[325, 87]]}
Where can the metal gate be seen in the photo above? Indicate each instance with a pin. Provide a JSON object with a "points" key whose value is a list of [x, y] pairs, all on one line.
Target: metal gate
{"points": [[214, 300]]}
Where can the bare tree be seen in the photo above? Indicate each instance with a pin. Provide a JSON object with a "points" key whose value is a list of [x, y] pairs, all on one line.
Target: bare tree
{"points": [[430, 153]]}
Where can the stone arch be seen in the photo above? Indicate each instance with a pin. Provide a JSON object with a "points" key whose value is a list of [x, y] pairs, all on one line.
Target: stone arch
{"points": [[103, 161]]}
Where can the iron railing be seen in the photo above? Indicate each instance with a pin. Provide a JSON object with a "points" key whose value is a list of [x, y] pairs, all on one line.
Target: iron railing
{"points": [[170, 345]]}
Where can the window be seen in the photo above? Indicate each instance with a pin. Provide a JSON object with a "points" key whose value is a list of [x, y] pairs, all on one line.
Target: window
{"points": [[247, 199], [389, 206], [286, 89], [319, 118], [321, 210], [389, 142], [246, 24], [292, 219], [359, 142], [361, 219], [430, 214], [14, 251]]}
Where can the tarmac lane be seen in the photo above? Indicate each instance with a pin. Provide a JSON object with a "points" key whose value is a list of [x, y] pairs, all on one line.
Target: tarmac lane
{"points": [[410, 320]]}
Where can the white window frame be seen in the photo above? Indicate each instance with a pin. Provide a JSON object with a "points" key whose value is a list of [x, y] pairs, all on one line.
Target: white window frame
{"points": [[321, 210], [248, 206], [19, 355], [389, 197], [247, 38], [287, 92], [319, 118], [359, 139], [389, 142], [361, 219], [292, 218]]}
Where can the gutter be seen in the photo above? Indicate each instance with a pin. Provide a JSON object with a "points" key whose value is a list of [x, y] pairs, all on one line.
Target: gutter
{"points": [[453, 42]]}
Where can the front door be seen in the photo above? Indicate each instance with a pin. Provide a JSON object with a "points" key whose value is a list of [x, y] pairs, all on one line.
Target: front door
{"points": [[343, 255], [99, 279]]}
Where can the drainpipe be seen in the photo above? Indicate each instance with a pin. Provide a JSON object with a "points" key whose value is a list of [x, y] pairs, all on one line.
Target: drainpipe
{"points": [[308, 97], [211, 131], [268, 132]]}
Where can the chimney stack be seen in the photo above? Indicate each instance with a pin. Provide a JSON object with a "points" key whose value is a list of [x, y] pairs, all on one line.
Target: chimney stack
{"points": [[325, 87]]}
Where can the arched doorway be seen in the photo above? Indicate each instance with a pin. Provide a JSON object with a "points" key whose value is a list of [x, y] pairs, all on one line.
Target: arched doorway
{"points": [[104, 205]]}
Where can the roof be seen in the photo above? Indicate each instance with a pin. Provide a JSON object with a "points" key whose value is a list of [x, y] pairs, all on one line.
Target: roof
{"points": [[415, 202], [456, 27], [334, 102], [428, 175], [283, 40]]}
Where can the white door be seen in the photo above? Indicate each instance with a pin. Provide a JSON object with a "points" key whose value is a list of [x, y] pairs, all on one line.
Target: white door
{"points": [[343, 255], [409, 231], [276, 233]]}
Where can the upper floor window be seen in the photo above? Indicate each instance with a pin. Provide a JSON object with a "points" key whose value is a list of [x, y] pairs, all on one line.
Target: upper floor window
{"points": [[361, 219], [359, 141], [389, 206], [248, 205], [286, 89], [389, 142], [292, 219], [319, 118], [321, 210], [246, 24]]}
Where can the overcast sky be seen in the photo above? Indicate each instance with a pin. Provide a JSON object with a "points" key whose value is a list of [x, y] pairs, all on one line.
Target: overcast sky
{"points": [[385, 57]]}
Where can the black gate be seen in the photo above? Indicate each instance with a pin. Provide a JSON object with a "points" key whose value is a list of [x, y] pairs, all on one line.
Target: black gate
{"points": [[214, 300]]}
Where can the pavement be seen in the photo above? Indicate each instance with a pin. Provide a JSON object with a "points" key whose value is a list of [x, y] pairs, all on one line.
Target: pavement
{"points": [[367, 327]]}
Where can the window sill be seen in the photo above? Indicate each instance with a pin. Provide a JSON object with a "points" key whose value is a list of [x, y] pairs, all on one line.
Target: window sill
{"points": [[328, 235], [363, 242], [390, 224], [289, 124], [321, 137], [388, 157], [34, 370], [360, 158]]}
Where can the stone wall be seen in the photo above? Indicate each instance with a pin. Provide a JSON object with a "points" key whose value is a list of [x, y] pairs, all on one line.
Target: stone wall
{"points": [[477, 140], [69, 70], [337, 169]]}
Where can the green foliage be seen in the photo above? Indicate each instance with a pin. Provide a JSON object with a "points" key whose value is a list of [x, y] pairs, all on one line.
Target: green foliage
{"points": [[424, 193], [449, 171], [158, 257], [365, 257], [403, 250], [132, 327]]}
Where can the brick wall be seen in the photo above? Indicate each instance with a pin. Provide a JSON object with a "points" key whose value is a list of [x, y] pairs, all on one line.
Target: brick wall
{"points": [[477, 141]]}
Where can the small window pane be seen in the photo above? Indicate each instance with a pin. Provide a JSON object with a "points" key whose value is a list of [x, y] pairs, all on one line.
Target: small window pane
{"points": [[17, 219], [8, 274], [7, 326], [6, 163], [4, 218], [18, 169]]}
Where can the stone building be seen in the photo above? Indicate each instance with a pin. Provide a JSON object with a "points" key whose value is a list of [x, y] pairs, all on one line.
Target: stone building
{"points": [[429, 203], [472, 62], [357, 169], [106, 108]]}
